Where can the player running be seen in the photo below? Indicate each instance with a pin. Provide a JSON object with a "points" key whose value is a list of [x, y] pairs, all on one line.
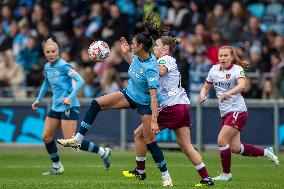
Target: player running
{"points": [[228, 79]]}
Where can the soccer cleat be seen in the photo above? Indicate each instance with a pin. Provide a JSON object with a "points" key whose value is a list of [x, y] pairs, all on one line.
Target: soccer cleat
{"points": [[71, 142], [205, 182], [106, 158], [167, 181], [54, 171], [271, 156], [223, 177], [134, 174]]}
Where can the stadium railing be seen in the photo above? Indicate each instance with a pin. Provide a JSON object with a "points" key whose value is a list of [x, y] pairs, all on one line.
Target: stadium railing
{"points": [[264, 127]]}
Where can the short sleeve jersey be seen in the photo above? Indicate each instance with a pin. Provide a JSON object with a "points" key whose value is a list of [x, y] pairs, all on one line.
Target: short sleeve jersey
{"points": [[143, 76], [224, 81], [170, 85], [60, 81]]}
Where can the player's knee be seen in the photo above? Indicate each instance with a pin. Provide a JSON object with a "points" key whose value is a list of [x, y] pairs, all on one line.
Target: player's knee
{"points": [[149, 139], [235, 149], [221, 141], [138, 135], [46, 139]]}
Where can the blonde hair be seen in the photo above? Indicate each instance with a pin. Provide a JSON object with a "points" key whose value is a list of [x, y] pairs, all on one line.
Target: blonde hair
{"points": [[238, 57], [50, 41]]}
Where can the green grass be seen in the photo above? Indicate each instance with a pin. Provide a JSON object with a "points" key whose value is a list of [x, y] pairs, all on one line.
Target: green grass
{"points": [[21, 167]]}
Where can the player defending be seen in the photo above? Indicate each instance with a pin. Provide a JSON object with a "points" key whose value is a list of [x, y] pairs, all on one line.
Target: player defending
{"points": [[64, 111], [174, 114], [228, 79]]}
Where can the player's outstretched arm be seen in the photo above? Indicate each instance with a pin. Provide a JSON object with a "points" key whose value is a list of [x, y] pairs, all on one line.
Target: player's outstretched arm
{"points": [[125, 48]]}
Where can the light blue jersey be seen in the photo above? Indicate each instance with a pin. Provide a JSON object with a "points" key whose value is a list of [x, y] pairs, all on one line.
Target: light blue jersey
{"points": [[59, 77], [143, 75]]}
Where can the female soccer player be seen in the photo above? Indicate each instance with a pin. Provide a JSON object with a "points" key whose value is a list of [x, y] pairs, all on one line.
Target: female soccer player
{"points": [[228, 79], [141, 93], [174, 114], [64, 111]]}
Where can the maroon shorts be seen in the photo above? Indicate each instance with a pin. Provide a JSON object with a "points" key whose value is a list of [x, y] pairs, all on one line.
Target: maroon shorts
{"points": [[235, 119], [174, 117]]}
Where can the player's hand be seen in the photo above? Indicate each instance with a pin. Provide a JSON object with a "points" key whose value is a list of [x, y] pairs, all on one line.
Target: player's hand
{"points": [[224, 97], [124, 45], [202, 98], [155, 128], [35, 105], [67, 101]]}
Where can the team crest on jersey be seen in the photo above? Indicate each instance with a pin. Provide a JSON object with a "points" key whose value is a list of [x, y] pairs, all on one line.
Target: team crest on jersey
{"points": [[228, 76]]}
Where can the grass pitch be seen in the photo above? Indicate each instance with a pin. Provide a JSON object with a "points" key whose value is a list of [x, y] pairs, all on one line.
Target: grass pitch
{"points": [[21, 167]]}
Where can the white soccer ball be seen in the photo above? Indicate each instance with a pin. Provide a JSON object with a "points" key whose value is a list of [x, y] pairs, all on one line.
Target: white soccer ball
{"points": [[99, 51]]}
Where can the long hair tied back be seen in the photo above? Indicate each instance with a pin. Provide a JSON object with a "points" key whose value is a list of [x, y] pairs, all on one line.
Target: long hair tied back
{"points": [[154, 27], [238, 57]]}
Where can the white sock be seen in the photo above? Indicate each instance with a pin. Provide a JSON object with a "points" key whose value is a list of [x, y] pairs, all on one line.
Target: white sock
{"points": [[265, 153], [165, 174], [140, 171], [199, 166], [101, 151], [140, 158], [79, 137], [57, 165]]}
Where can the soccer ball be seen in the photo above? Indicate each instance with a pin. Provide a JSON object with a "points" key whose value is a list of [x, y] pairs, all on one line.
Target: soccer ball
{"points": [[98, 51]]}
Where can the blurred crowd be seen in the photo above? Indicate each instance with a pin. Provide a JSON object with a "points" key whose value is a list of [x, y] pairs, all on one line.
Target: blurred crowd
{"points": [[255, 26]]}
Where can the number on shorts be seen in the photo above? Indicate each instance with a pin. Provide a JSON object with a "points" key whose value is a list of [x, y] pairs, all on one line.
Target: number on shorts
{"points": [[235, 115]]}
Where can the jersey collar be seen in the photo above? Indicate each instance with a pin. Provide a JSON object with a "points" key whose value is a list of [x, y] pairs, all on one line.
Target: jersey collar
{"points": [[228, 68]]}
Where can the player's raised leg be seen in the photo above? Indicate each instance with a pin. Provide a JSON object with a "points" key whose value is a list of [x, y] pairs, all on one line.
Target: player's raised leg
{"points": [[115, 100], [252, 151]]}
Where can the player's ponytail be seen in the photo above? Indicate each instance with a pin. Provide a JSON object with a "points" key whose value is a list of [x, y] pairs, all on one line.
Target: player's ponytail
{"points": [[154, 29], [238, 57]]}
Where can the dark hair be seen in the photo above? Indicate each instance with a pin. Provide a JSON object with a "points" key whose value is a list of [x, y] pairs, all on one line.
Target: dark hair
{"points": [[154, 29]]}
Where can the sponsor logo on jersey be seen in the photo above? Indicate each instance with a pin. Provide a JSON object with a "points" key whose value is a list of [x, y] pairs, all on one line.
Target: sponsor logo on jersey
{"points": [[57, 72], [162, 62], [153, 79], [228, 76], [223, 84]]}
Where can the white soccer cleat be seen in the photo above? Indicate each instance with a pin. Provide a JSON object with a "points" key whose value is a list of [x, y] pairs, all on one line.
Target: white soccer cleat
{"points": [[167, 181], [71, 142], [271, 156], [224, 177]]}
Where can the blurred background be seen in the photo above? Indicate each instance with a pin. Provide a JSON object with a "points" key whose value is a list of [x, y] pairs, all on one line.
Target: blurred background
{"points": [[255, 26]]}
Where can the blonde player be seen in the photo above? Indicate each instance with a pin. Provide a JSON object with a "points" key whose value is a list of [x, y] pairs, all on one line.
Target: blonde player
{"points": [[174, 114], [228, 79]]}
